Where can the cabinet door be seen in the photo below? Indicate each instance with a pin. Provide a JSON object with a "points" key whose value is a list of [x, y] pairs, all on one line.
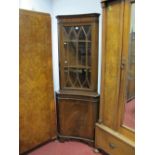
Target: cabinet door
{"points": [[129, 110], [78, 52], [118, 50], [37, 112], [77, 56], [126, 100]]}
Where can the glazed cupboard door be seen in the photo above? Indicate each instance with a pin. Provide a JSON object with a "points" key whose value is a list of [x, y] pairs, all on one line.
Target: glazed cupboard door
{"points": [[36, 95], [77, 56], [113, 131], [78, 52]]}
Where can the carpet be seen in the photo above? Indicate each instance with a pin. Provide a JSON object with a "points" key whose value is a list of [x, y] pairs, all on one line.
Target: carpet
{"points": [[65, 148], [129, 116]]}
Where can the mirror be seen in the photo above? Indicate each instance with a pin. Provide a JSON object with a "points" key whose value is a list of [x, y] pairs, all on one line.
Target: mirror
{"points": [[129, 115]]}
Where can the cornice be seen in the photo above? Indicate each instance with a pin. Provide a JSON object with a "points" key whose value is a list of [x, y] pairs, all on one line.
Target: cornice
{"points": [[104, 2]]}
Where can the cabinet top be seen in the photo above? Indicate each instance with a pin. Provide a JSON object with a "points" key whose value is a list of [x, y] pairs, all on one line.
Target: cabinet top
{"points": [[78, 15], [30, 12], [102, 1]]}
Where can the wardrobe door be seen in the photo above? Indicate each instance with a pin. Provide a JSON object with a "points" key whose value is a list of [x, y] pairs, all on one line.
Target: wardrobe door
{"points": [[36, 97]]}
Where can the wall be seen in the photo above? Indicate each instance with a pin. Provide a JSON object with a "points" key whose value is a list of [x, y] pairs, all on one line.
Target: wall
{"points": [[64, 7]]}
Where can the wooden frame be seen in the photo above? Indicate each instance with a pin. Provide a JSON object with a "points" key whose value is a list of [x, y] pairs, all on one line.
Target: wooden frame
{"points": [[121, 101]]}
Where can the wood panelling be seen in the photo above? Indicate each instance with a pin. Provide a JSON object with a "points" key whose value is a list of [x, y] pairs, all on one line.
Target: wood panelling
{"points": [[112, 60], [37, 105], [77, 114]]}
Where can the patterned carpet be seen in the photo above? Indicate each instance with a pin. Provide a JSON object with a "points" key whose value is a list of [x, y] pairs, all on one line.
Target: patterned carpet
{"points": [[65, 148], [77, 148], [129, 117]]}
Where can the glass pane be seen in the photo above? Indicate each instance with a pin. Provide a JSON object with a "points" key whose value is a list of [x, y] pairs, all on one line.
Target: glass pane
{"points": [[89, 54], [85, 78], [87, 29], [67, 31], [70, 53], [77, 53], [82, 53], [72, 35], [129, 116], [77, 29], [82, 34], [69, 78], [77, 78]]}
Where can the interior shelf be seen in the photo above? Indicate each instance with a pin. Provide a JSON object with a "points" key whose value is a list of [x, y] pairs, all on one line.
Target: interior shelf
{"points": [[78, 67], [89, 41]]}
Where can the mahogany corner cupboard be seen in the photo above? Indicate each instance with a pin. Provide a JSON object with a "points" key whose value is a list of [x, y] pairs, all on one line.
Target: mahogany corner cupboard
{"points": [[77, 100]]}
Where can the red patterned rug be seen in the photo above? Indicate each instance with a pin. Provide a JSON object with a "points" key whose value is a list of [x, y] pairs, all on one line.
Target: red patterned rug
{"points": [[65, 148]]}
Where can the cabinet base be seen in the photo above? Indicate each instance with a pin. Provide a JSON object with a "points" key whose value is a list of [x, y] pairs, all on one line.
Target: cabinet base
{"points": [[72, 138], [113, 142], [77, 115]]}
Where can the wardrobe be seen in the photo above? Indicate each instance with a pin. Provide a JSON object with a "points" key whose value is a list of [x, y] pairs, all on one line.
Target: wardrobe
{"points": [[114, 133]]}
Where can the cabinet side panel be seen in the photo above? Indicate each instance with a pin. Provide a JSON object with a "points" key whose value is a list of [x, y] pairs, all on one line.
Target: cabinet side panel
{"points": [[36, 96]]}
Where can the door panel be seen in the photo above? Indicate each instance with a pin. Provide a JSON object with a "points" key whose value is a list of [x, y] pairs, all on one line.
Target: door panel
{"points": [[36, 96]]}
